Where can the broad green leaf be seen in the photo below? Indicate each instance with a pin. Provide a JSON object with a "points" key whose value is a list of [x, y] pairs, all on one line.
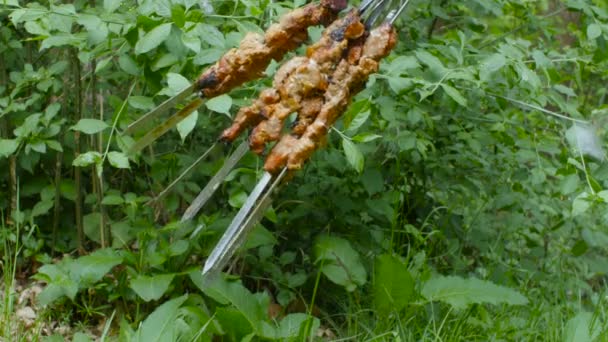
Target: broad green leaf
{"points": [[594, 31], [402, 64], [569, 184], [211, 35], [353, 155], [178, 247], [431, 61], [260, 236], [112, 200], [89, 126], [10, 2], [291, 327], [237, 199], [186, 126], [460, 292], [128, 65], [153, 287], [583, 327], [160, 325], [192, 41], [253, 306], [111, 5], [358, 121], [177, 82], [60, 40], [59, 284], [581, 203], [81, 337], [86, 159], [91, 268], [365, 137], [454, 94], [493, 62], [339, 262], [8, 147], [153, 38], [118, 159], [220, 104], [393, 284], [42, 208], [141, 102]]}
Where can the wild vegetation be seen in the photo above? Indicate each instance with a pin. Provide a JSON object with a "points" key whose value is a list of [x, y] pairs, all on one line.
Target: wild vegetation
{"points": [[463, 195]]}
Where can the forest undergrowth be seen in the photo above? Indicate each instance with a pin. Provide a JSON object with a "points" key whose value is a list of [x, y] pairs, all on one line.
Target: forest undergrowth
{"points": [[461, 197]]}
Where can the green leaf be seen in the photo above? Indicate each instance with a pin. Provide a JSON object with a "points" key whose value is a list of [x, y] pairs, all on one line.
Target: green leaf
{"points": [[594, 31], [583, 327], [89, 126], [581, 203], [91, 268], [393, 284], [365, 137], [493, 62], [10, 2], [431, 61], [253, 306], [152, 39], [353, 155], [141, 102], [292, 325], [160, 325], [220, 104], [112, 200], [118, 159], [111, 5], [186, 126], [177, 82], [151, 288], [460, 292], [339, 262], [42, 208], [358, 121], [454, 94], [211, 35], [59, 283], [86, 159], [60, 40], [8, 147]]}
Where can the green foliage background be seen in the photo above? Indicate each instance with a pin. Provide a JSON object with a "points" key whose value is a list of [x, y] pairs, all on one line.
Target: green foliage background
{"points": [[450, 202]]}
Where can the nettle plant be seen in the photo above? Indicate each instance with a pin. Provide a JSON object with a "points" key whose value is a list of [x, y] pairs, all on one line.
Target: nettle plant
{"points": [[460, 174]]}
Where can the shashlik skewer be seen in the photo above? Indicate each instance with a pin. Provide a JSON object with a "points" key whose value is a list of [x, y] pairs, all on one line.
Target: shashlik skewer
{"points": [[347, 81], [288, 82], [306, 76], [243, 64], [377, 45]]}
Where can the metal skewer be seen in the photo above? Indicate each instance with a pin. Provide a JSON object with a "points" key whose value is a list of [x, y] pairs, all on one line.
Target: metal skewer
{"points": [[249, 215]]}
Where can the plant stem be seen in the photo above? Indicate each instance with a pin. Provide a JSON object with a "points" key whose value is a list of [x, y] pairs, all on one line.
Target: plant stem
{"points": [[77, 149]]}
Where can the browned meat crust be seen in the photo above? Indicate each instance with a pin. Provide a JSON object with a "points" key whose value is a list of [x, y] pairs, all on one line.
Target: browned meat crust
{"points": [[349, 77], [255, 51], [308, 79]]}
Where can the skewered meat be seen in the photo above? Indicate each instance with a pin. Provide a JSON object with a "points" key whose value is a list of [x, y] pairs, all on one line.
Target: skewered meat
{"points": [[309, 77], [293, 81], [310, 108], [348, 78], [256, 51]]}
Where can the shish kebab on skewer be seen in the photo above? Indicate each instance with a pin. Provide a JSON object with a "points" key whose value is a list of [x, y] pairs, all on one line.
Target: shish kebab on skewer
{"points": [[298, 84], [361, 59], [242, 64]]}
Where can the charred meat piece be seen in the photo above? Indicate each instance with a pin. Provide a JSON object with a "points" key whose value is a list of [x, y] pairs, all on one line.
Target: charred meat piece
{"points": [[308, 78], [255, 51], [349, 77], [310, 108]]}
